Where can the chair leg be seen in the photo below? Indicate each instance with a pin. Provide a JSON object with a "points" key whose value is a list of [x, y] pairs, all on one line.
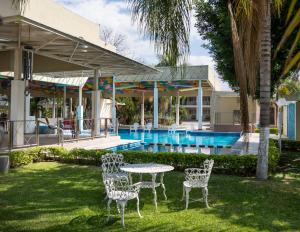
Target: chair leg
{"points": [[205, 196], [138, 206], [187, 197], [183, 193], [108, 209], [122, 204]]}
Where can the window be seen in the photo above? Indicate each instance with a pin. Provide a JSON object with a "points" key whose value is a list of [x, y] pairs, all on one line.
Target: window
{"points": [[236, 117], [206, 114], [206, 100]]}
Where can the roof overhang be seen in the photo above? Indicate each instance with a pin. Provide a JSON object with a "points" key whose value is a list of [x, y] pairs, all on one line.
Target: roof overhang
{"points": [[188, 73], [57, 49]]}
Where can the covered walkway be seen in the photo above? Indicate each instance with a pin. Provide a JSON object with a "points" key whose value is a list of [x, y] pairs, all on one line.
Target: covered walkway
{"points": [[36, 46]]}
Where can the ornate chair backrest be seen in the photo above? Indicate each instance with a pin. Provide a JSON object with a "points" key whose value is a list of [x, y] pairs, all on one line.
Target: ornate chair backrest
{"points": [[120, 188], [111, 163], [199, 176]]}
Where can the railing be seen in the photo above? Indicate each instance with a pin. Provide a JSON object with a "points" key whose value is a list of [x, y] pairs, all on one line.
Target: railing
{"points": [[19, 134]]}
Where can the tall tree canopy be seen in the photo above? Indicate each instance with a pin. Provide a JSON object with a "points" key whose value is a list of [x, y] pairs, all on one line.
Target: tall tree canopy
{"points": [[213, 24]]}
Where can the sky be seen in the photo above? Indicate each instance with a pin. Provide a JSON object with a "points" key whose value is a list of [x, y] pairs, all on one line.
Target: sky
{"points": [[114, 14]]}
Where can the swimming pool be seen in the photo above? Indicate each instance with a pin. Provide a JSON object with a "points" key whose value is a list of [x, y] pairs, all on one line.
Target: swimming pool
{"points": [[182, 138]]}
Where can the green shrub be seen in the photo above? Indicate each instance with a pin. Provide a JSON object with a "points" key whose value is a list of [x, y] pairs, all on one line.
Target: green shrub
{"points": [[244, 165], [19, 158], [290, 145], [273, 130], [228, 164], [273, 156]]}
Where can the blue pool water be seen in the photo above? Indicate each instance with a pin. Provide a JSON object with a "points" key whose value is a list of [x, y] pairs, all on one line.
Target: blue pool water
{"points": [[182, 138]]}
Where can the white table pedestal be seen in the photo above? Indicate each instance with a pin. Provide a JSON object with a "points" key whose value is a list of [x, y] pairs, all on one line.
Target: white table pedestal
{"points": [[153, 170]]}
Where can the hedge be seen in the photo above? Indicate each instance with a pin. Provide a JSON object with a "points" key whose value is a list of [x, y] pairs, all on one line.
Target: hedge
{"points": [[290, 145], [244, 165], [273, 130]]}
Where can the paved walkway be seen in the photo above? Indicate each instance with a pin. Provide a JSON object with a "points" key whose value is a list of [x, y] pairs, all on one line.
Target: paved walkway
{"points": [[242, 147], [98, 143]]}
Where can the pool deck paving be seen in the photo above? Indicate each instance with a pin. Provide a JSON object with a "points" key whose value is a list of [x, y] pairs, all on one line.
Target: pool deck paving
{"points": [[243, 148], [98, 143]]}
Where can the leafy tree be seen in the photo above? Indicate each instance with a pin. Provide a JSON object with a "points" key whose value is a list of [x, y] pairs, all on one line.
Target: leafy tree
{"points": [[127, 110], [213, 24]]}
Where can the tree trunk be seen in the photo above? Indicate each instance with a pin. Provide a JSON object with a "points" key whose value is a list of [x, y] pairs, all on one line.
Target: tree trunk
{"points": [[265, 89]]}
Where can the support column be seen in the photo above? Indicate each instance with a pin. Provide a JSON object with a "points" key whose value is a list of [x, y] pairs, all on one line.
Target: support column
{"points": [[27, 107], [96, 104], [113, 110], [143, 110], [71, 108], [53, 108], [17, 101], [29, 123], [177, 109], [79, 110], [155, 106], [212, 110], [65, 103], [199, 106]]}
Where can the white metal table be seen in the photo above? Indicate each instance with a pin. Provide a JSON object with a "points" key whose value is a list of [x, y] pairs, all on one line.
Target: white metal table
{"points": [[149, 168]]}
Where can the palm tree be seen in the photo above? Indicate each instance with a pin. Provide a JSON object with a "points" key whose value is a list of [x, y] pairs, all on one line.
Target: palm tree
{"points": [[265, 92], [167, 23]]}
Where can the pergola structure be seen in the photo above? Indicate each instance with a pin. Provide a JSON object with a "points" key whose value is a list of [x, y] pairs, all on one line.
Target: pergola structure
{"points": [[61, 41], [189, 80]]}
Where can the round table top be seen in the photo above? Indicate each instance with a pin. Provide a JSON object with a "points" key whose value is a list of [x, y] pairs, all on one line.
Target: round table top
{"points": [[147, 168]]}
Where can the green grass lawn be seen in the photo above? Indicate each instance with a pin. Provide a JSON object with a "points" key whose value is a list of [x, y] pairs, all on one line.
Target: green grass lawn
{"points": [[61, 197]]}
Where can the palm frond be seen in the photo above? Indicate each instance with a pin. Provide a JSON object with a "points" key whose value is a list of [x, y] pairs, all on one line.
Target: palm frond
{"points": [[294, 61], [278, 5], [239, 64], [167, 24], [292, 29], [293, 24], [290, 11], [20, 4]]}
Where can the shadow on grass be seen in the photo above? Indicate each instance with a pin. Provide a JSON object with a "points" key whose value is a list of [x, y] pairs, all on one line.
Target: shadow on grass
{"points": [[61, 197], [271, 205]]}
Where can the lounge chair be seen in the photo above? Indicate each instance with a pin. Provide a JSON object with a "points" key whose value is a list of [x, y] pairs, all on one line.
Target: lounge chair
{"points": [[172, 129], [134, 127], [148, 127]]}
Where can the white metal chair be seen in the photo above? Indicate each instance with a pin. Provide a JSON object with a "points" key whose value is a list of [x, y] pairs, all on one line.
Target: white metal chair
{"points": [[197, 178], [148, 127], [134, 127], [172, 129], [121, 191], [111, 164]]}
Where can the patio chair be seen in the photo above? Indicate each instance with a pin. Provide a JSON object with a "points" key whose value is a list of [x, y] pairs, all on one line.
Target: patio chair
{"points": [[111, 163], [121, 191], [134, 127], [197, 178], [148, 127], [172, 129]]}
